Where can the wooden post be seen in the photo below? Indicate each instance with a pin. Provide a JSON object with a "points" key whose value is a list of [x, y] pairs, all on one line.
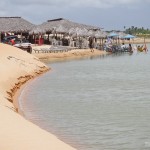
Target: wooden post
{"points": [[21, 36], [101, 43], [0, 37], [48, 39], [145, 47]]}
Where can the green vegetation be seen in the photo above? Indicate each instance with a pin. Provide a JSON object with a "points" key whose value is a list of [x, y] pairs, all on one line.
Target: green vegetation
{"points": [[140, 32]]}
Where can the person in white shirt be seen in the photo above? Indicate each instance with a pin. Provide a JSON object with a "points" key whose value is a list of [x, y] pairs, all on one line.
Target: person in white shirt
{"points": [[123, 46]]}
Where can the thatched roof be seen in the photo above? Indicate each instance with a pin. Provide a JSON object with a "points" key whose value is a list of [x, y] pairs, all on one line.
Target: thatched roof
{"points": [[14, 24], [80, 32], [51, 25]]}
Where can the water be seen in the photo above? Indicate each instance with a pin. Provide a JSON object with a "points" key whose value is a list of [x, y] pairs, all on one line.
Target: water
{"points": [[100, 103]]}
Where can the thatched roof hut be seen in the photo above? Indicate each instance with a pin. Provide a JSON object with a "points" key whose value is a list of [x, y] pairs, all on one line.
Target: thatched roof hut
{"points": [[51, 25], [15, 24]]}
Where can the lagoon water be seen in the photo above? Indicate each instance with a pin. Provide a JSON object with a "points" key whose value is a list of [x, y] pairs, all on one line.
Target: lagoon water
{"points": [[97, 103]]}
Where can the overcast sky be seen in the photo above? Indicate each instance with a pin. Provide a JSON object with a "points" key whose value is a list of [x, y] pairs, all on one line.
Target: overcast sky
{"points": [[108, 14]]}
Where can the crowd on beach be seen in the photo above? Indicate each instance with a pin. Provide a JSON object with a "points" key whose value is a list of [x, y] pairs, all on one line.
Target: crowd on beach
{"points": [[112, 46]]}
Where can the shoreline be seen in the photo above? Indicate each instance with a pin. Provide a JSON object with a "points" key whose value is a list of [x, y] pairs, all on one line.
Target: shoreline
{"points": [[137, 40], [17, 132], [70, 55], [17, 94]]}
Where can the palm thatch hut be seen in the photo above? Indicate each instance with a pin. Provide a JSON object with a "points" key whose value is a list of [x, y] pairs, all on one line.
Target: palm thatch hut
{"points": [[63, 26], [15, 25], [64, 23]]}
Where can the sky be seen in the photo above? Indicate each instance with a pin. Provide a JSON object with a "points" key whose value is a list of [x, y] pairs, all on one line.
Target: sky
{"points": [[107, 14]]}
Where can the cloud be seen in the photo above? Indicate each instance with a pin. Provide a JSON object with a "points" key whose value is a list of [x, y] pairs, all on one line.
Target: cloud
{"points": [[74, 3], [99, 12]]}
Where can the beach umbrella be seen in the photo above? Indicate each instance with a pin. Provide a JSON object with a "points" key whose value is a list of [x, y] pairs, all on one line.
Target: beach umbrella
{"points": [[100, 34], [82, 32], [37, 30], [113, 34], [72, 31], [129, 36], [104, 34], [121, 35], [91, 33]]}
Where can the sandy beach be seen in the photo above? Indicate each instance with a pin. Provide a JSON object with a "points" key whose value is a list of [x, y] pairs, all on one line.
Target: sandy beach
{"points": [[73, 54], [136, 41], [16, 133], [17, 68]]}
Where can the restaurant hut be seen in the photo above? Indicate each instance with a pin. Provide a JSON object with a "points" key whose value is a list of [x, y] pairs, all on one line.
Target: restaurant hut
{"points": [[14, 25], [61, 27]]}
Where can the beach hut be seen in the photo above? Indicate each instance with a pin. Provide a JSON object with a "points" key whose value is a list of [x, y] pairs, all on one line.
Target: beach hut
{"points": [[15, 25], [101, 36], [67, 24], [50, 25], [64, 26]]}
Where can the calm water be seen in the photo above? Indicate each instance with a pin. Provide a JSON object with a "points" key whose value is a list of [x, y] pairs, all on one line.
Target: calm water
{"points": [[100, 103]]}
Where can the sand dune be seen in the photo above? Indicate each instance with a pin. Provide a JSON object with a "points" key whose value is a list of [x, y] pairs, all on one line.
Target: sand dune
{"points": [[16, 133]]}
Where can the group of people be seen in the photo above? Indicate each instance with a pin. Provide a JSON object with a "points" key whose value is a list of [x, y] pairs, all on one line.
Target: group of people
{"points": [[114, 47], [130, 49], [139, 48], [142, 48]]}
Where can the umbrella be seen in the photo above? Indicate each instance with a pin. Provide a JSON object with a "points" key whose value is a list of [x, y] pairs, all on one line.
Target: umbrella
{"points": [[121, 35], [129, 36], [113, 34], [100, 34]]}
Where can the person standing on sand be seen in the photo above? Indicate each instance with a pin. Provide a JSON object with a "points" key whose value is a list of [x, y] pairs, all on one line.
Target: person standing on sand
{"points": [[91, 44]]}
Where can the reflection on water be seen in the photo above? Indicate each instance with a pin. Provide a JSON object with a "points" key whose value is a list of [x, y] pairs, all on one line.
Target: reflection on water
{"points": [[96, 103]]}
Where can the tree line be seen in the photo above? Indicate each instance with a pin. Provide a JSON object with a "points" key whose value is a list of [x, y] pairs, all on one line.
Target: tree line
{"points": [[141, 32]]}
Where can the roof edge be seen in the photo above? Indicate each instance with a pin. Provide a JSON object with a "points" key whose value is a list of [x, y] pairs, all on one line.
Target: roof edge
{"points": [[10, 17], [58, 19]]}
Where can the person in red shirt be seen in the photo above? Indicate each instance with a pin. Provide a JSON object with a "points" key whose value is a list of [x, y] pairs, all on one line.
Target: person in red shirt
{"points": [[12, 41]]}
